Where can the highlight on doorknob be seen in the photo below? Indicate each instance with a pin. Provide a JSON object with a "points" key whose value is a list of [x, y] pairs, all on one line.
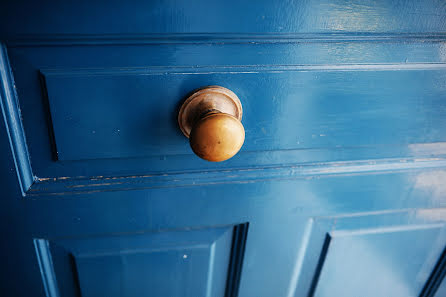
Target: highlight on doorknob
{"points": [[211, 119]]}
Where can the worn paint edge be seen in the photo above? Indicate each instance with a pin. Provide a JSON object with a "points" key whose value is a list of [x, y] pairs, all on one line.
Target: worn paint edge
{"points": [[73, 185], [218, 38], [11, 115]]}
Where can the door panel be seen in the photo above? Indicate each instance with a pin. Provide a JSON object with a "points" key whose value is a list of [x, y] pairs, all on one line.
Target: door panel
{"points": [[108, 110], [90, 120], [374, 254], [198, 262], [340, 180]]}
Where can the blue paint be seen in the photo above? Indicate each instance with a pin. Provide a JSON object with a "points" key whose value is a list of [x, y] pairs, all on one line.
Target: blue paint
{"points": [[141, 264], [436, 284], [124, 74], [46, 267], [340, 180], [13, 123], [137, 17], [382, 248], [441, 290], [365, 115]]}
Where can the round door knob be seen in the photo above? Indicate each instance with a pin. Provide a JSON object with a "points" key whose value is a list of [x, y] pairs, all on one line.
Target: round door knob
{"points": [[211, 119]]}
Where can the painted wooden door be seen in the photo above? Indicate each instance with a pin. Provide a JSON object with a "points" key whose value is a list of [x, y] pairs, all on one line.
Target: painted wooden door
{"points": [[339, 189]]}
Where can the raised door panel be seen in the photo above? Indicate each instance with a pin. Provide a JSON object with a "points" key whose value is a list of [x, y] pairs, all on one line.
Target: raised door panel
{"points": [[168, 263], [130, 114], [386, 254], [104, 115]]}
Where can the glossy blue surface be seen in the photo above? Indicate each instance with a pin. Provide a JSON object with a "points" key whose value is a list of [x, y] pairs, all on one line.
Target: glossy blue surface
{"points": [[364, 115], [358, 91], [362, 251], [441, 290], [339, 189], [139, 264], [173, 16]]}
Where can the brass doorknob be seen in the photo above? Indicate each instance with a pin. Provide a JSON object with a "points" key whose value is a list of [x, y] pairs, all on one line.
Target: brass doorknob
{"points": [[211, 119]]}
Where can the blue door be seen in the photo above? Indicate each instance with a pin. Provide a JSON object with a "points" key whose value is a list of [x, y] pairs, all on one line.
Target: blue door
{"points": [[339, 188]]}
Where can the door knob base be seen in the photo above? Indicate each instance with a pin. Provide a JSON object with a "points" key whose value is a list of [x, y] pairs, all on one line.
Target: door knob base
{"points": [[205, 101]]}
